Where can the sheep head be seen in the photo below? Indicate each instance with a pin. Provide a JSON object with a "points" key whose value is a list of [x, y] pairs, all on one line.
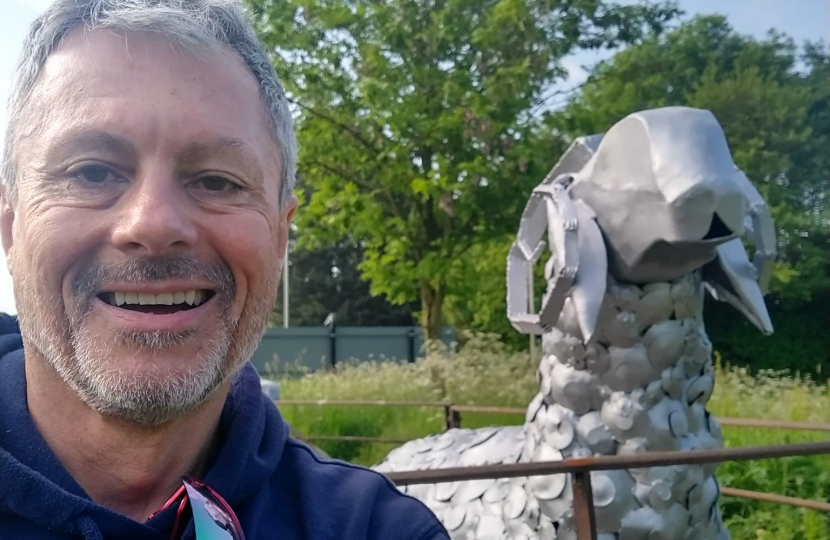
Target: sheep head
{"points": [[656, 197]]}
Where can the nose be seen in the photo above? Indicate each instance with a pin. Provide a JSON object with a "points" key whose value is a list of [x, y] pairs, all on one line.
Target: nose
{"points": [[156, 217]]}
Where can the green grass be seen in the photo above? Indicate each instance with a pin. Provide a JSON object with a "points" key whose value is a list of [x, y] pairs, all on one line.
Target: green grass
{"points": [[485, 373]]}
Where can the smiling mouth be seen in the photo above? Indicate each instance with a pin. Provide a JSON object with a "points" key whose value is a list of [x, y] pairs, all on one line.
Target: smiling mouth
{"points": [[159, 304]]}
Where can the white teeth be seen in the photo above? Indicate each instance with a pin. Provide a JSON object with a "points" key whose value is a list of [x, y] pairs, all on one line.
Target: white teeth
{"points": [[191, 297]]}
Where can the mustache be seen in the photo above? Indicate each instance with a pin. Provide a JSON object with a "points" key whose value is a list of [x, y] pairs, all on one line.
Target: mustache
{"points": [[90, 280]]}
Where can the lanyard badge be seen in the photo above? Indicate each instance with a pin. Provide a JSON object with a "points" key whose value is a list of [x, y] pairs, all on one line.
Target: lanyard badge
{"points": [[213, 518]]}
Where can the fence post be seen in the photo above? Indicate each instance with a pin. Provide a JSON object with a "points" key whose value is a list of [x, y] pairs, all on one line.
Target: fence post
{"points": [[584, 519], [410, 341], [333, 345], [452, 417]]}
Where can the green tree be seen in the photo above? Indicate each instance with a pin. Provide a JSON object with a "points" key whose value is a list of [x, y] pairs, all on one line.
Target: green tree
{"points": [[775, 116], [326, 280], [416, 120]]}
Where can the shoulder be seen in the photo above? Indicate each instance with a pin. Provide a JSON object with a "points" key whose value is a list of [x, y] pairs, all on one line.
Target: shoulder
{"points": [[10, 339], [364, 499]]}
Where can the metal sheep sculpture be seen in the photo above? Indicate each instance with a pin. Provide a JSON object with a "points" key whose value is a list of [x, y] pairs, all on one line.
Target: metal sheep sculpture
{"points": [[640, 222]]}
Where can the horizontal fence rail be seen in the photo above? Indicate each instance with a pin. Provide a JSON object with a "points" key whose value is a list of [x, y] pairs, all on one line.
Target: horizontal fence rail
{"points": [[773, 498], [773, 424], [325, 402], [607, 463], [354, 438], [580, 469], [452, 408]]}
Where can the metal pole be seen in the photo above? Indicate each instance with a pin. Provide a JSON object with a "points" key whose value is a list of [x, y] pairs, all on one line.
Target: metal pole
{"points": [[584, 519], [452, 417], [333, 345], [285, 290], [607, 463], [410, 341]]}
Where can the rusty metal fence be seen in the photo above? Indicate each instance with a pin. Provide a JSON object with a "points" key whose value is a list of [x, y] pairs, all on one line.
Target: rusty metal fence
{"points": [[580, 468], [452, 417]]}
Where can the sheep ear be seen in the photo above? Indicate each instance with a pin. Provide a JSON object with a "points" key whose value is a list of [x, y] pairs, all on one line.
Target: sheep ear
{"points": [[592, 275], [524, 253], [731, 277], [579, 261]]}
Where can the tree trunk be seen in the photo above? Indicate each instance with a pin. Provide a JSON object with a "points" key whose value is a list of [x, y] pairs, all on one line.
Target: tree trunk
{"points": [[432, 303]]}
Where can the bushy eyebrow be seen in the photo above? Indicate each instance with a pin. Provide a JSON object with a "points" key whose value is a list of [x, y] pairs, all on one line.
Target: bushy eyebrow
{"points": [[91, 141]]}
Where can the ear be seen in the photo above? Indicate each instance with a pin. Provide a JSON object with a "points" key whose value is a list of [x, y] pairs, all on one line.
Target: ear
{"points": [[286, 214], [579, 262], [7, 214], [290, 209], [592, 275], [731, 277]]}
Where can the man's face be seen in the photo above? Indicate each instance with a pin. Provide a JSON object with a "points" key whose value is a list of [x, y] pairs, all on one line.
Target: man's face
{"points": [[146, 238]]}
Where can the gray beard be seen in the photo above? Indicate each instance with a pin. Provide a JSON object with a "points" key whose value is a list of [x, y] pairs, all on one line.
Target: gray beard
{"points": [[82, 361], [150, 399]]}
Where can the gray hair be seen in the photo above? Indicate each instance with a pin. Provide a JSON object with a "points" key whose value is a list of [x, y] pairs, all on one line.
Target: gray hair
{"points": [[197, 25]]}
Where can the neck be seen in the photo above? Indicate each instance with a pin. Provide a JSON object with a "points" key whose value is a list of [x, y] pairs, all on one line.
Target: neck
{"points": [[651, 358], [127, 467]]}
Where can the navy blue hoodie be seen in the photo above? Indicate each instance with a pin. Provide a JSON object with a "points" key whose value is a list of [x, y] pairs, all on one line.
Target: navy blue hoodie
{"points": [[279, 489]]}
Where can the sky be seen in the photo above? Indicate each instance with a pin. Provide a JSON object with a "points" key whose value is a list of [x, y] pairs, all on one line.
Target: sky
{"points": [[801, 19]]}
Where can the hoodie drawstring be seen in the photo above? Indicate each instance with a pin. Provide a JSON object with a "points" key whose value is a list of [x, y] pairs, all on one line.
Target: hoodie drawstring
{"points": [[89, 528]]}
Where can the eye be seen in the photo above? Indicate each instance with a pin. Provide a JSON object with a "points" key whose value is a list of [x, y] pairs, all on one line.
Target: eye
{"points": [[95, 174], [216, 184]]}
